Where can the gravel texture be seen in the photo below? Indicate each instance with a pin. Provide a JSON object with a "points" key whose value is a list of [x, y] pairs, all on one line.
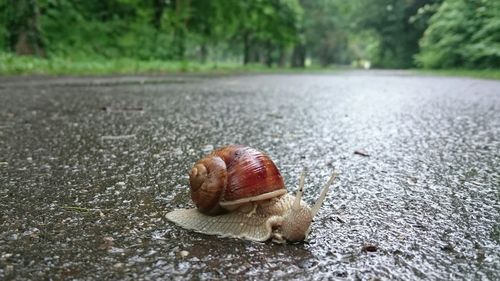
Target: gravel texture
{"points": [[90, 166]]}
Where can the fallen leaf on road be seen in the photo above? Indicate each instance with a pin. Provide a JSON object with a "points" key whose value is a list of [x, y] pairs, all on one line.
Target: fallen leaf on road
{"points": [[361, 152], [369, 248], [117, 109], [120, 137]]}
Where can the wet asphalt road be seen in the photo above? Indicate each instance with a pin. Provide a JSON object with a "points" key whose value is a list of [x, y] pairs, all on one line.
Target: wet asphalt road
{"points": [[89, 167]]}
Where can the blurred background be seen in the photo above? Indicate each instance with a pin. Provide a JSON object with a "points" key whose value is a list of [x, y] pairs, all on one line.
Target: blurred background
{"points": [[60, 36]]}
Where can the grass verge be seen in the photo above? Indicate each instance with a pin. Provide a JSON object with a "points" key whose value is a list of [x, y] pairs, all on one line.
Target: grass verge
{"points": [[480, 73], [25, 65]]}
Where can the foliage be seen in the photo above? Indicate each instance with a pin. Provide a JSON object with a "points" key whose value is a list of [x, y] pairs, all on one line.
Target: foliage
{"points": [[326, 32], [386, 33], [101, 28], [394, 35], [463, 33], [164, 29], [3, 25], [22, 28]]}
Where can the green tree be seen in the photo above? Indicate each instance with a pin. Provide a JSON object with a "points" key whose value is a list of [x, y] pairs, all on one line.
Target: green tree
{"points": [[23, 32], [267, 28], [390, 21], [326, 31], [463, 33]]}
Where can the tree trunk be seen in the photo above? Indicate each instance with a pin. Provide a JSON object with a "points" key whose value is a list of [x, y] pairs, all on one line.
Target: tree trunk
{"points": [[246, 48], [299, 56], [255, 55], [269, 54], [23, 28], [282, 57], [203, 52], [179, 43], [182, 17], [158, 8]]}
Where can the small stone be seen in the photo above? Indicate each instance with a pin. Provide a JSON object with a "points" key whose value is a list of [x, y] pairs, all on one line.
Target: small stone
{"points": [[107, 243], [119, 265], [184, 253], [5, 256], [9, 269], [207, 148], [178, 151]]}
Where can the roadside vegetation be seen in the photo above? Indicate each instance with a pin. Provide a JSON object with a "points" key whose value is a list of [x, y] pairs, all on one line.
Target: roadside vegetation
{"points": [[493, 74], [92, 37]]}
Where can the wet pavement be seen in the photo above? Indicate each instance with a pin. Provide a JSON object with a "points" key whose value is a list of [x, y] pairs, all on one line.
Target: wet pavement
{"points": [[89, 168]]}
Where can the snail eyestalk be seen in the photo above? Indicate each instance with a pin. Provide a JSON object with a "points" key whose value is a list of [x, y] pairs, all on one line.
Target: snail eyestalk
{"points": [[322, 196], [298, 197]]}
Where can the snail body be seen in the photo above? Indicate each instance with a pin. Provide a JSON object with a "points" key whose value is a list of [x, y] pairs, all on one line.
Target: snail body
{"points": [[261, 225], [239, 193]]}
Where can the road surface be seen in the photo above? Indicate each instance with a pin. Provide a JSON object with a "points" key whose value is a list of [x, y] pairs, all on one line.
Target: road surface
{"points": [[90, 166]]}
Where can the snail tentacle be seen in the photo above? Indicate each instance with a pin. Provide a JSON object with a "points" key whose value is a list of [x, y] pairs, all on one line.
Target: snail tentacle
{"points": [[298, 196], [322, 196]]}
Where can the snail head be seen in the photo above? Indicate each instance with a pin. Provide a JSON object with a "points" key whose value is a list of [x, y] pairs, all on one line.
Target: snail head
{"points": [[297, 222]]}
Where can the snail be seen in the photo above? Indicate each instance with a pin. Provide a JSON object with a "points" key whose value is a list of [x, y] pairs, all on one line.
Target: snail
{"points": [[239, 192]]}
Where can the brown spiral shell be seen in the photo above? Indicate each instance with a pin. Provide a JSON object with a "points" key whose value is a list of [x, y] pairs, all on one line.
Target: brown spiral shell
{"points": [[233, 174]]}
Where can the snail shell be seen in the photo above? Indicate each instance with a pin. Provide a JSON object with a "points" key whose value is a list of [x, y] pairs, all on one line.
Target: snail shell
{"points": [[232, 176], [240, 193]]}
